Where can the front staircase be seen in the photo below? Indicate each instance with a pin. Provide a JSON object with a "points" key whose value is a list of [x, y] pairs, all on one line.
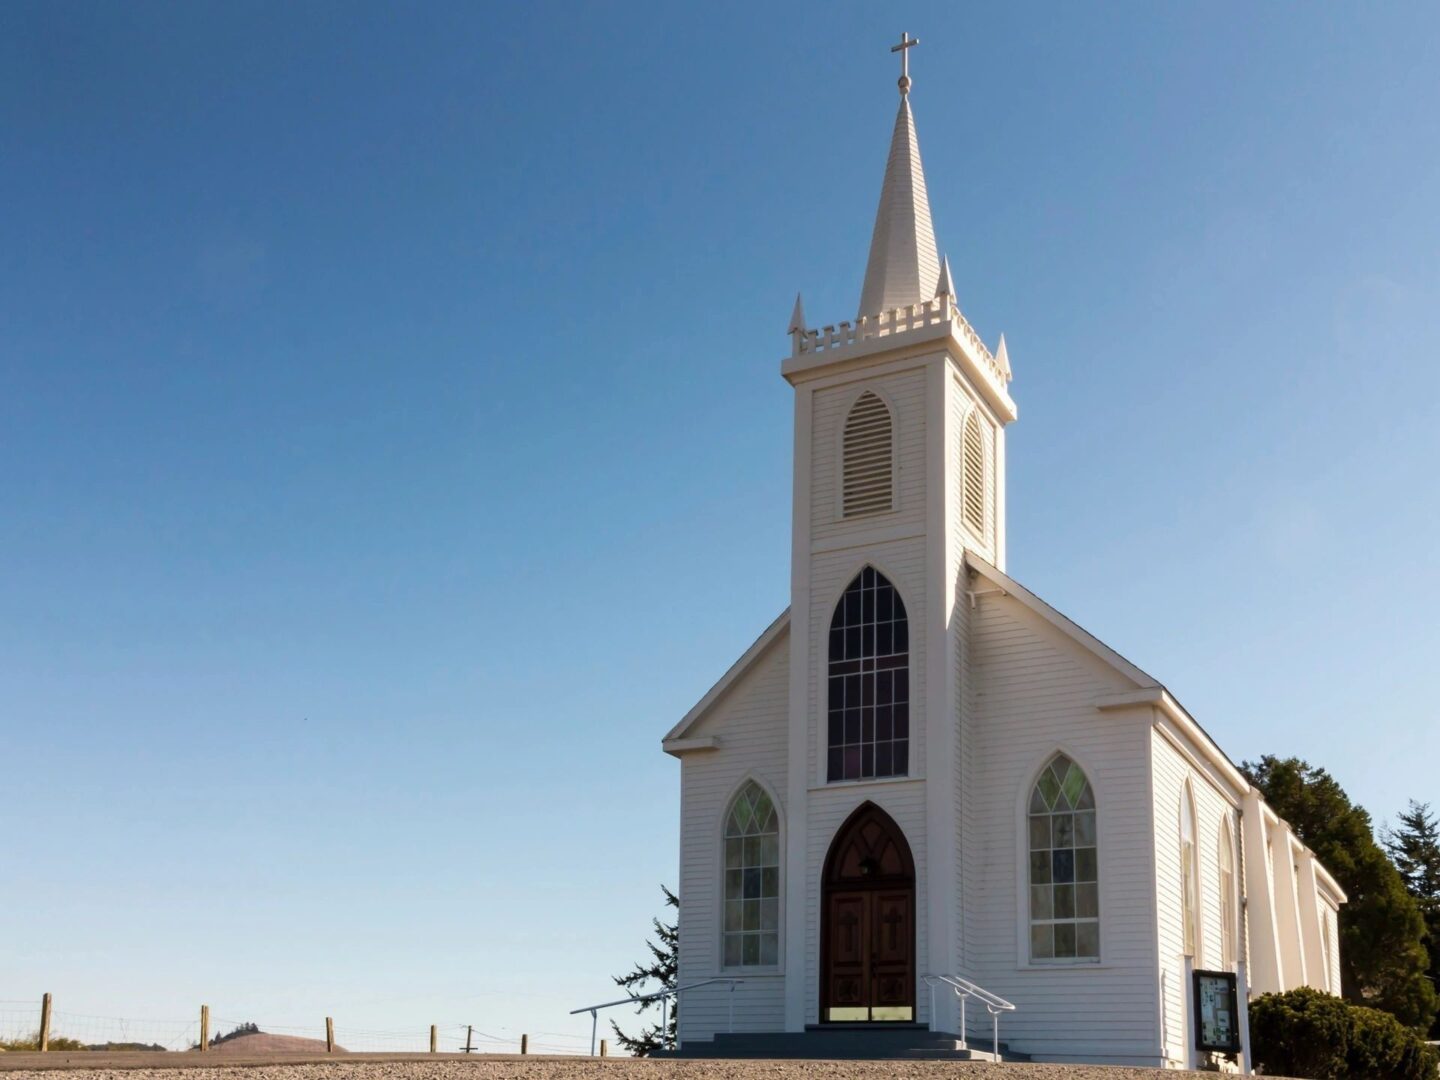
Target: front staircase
{"points": [[849, 1043]]}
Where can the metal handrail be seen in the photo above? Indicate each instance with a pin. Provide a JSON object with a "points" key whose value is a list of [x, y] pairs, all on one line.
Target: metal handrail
{"points": [[965, 989], [664, 996]]}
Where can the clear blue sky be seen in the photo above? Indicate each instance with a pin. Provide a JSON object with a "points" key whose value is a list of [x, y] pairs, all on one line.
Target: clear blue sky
{"points": [[392, 442]]}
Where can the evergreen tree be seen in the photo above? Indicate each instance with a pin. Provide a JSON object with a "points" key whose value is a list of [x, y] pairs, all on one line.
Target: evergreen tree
{"points": [[660, 969], [1383, 960], [1414, 845]]}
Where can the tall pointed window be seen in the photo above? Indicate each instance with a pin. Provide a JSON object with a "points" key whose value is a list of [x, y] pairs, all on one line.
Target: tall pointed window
{"points": [[869, 684], [752, 880], [1064, 868], [1189, 875], [1229, 923], [973, 505], [868, 486]]}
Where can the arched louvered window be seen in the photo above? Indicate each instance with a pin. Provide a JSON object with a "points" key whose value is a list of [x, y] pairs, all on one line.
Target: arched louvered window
{"points": [[751, 937], [869, 685], [974, 469], [868, 486], [1189, 875], [1064, 866], [1229, 923]]}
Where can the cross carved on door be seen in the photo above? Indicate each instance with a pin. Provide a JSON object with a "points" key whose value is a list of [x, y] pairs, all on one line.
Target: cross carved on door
{"points": [[892, 921]]}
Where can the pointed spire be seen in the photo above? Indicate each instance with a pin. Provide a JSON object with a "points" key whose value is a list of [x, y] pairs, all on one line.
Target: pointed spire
{"points": [[797, 317], [1002, 357], [903, 266], [946, 287]]}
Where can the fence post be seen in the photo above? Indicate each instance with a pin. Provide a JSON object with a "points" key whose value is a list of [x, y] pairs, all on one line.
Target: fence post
{"points": [[45, 1023], [524, 1044], [604, 1048], [204, 1028], [329, 1035], [434, 1039]]}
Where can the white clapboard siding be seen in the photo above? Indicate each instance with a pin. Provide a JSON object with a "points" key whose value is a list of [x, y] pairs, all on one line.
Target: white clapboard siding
{"points": [[1172, 771], [1033, 691], [750, 722]]}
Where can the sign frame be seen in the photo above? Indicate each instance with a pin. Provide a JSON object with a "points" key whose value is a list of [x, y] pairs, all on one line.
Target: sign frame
{"points": [[1228, 988]]}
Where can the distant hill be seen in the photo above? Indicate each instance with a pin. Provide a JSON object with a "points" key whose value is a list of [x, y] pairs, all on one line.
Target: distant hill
{"points": [[261, 1043]]}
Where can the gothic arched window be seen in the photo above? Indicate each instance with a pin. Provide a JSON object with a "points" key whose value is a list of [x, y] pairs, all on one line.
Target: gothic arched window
{"points": [[1064, 866], [973, 504], [1189, 875], [751, 937], [868, 458], [1228, 921], [869, 684]]}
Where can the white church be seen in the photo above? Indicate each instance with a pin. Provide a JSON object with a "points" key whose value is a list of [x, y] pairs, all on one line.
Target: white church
{"points": [[922, 787]]}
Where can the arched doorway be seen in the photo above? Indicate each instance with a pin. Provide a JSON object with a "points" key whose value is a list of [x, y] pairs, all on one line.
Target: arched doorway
{"points": [[867, 931]]}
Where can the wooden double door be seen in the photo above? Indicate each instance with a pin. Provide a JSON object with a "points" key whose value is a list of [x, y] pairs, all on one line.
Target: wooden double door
{"points": [[867, 954]]}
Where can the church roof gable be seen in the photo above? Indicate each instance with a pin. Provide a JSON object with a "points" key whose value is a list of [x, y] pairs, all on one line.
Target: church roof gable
{"points": [[1148, 689], [679, 739]]}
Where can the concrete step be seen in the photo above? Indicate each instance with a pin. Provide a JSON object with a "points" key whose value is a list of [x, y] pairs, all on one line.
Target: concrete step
{"points": [[849, 1042]]}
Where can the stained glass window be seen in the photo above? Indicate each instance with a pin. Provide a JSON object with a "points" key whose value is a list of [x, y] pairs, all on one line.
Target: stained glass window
{"points": [[1064, 868], [1225, 860], [869, 685], [1189, 875], [751, 936]]}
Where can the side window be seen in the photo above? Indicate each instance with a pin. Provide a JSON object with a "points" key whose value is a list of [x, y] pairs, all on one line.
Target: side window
{"points": [[751, 936], [1064, 878], [1189, 874]]}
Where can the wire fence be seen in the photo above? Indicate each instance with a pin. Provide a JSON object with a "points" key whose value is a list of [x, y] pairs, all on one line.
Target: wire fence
{"points": [[21, 1023]]}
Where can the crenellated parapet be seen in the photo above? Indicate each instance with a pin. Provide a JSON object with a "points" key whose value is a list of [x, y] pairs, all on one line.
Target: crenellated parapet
{"points": [[917, 324]]}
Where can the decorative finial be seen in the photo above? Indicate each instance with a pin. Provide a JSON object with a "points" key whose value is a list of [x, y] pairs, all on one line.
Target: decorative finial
{"points": [[945, 286], [797, 317], [906, 43]]}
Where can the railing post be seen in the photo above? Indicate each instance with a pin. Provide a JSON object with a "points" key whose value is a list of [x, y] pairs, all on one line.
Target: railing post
{"points": [[594, 1029], [964, 1037], [931, 984], [995, 1032], [732, 1008], [664, 1020]]}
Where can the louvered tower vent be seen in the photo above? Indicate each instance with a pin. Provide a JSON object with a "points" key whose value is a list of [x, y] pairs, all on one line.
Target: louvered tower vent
{"points": [[868, 458]]}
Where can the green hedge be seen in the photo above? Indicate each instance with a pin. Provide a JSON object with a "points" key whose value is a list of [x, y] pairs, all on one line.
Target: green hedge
{"points": [[1305, 1033]]}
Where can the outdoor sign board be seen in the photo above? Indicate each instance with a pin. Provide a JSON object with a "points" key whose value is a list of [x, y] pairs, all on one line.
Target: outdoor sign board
{"points": [[1217, 1011]]}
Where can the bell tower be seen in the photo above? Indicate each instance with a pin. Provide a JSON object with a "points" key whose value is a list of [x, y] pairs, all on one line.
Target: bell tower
{"points": [[899, 455]]}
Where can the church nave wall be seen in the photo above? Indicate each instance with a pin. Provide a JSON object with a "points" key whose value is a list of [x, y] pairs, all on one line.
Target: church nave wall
{"points": [[1033, 694], [751, 723], [1172, 772]]}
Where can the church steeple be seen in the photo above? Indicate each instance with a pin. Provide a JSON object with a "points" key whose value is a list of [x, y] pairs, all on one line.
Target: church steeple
{"points": [[904, 266]]}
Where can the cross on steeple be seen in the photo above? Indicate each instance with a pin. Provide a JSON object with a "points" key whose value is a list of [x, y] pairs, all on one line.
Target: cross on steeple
{"points": [[906, 43]]}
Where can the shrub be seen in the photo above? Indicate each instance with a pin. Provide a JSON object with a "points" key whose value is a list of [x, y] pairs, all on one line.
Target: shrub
{"points": [[1305, 1033], [32, 1042]]}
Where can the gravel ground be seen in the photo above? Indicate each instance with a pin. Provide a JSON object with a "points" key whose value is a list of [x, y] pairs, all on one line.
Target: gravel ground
{"points": [[611, 1069]]}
